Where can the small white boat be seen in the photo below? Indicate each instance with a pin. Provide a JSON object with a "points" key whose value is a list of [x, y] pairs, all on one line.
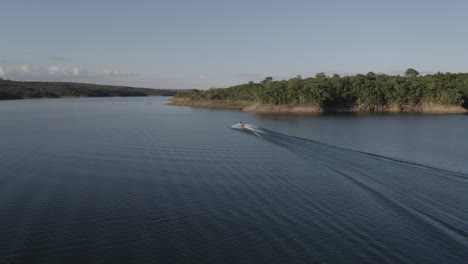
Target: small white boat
{"points": [[248, 127]]}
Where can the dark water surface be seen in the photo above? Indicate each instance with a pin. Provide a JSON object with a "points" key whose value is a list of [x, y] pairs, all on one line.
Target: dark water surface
{"points": [[131, 180]]}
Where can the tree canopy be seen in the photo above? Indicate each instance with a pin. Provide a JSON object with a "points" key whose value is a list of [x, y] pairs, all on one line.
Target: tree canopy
{"points": [[368, 90]]}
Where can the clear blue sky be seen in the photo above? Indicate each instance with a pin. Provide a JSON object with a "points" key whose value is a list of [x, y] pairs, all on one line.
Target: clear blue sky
{"points": [[206, 43]]}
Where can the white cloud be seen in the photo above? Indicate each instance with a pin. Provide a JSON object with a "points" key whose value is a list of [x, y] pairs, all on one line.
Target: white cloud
{"points": [[28, 72], [26, 69], [113, 72], [55, 73], [53, 70], [33, 71], [63, 71]]}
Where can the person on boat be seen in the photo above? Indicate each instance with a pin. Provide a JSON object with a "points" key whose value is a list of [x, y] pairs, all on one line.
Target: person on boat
{"points": [[240, 123]]}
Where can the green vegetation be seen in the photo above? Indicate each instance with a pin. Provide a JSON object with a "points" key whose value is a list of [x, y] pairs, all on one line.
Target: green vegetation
{"points": [[18, 90], [369, 91]]}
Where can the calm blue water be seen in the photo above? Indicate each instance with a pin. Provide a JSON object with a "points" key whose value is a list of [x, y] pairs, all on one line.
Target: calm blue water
{"points": [[132, 180]]}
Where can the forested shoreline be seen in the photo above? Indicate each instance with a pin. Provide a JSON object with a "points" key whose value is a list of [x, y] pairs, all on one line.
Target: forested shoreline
{"points": [[19, 90], [365, 92]]}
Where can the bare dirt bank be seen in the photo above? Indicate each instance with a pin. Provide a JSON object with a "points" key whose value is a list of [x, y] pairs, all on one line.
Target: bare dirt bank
{"points": [[213, 104], [304, 109]]}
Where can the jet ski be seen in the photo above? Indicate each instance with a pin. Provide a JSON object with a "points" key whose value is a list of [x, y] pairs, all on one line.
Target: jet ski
{"points": [[239, 125], [248, 127]]}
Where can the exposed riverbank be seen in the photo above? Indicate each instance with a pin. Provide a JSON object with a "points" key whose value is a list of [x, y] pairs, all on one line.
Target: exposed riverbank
{"points": [[212, 104], [429, 108]]}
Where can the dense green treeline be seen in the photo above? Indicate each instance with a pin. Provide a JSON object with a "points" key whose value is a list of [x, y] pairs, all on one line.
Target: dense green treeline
{"points": [[370, 90], [18, 90]]}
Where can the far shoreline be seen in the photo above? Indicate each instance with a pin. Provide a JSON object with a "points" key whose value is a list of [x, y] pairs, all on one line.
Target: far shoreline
{"points": [[71, 97]]}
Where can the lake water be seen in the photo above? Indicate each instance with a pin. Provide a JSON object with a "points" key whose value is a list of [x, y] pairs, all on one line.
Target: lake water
{"points": [[132, 180]]}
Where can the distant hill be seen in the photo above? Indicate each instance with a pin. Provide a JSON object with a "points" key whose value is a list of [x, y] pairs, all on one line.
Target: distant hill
{"points": [[19, 90]]}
